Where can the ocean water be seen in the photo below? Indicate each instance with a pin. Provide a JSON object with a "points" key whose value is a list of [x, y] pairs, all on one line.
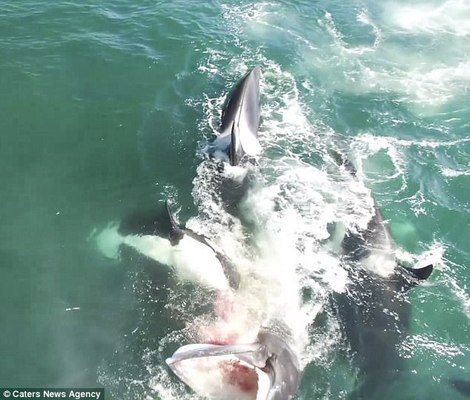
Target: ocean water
{"points": [[104, 109]]}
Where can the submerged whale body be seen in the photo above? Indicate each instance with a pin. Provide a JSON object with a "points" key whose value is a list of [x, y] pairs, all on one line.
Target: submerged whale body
{"points": [[238, 133], [375, 316]]}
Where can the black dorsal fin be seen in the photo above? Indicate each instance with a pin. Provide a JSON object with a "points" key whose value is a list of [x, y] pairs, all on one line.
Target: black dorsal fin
{"points": [[412, 277], [421, 273], [176, 233]]}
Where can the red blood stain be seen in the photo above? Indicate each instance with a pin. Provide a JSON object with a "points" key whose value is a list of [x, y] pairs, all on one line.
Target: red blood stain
{"points": [[222, 339], [224, 306], [241, 376], [220, 342]]}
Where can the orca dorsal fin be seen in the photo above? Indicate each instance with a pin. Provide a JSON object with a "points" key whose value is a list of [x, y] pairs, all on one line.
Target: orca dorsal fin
{"points": [[176, 233], [421, 274], [409, 278]]}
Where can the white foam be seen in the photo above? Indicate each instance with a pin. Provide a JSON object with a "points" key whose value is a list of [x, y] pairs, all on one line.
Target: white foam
{"points": [[449, 17], [338, 38], [364, 17], [462, 295], [429, 85], [424, 79], [432, 255], [452, 273], [162, 384], [453, 173], [420, 343]]}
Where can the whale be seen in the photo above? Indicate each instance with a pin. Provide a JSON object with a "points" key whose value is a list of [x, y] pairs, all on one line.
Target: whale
{"points": [[375, 313], [238, 133], [192, 256], [265, 370]]}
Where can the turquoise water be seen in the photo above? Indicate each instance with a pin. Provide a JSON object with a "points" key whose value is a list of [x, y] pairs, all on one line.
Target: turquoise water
{"points": [[103, 108]]}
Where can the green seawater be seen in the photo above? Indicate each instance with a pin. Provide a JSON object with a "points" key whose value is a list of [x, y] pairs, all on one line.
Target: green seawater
{"points": [[103, 109]]}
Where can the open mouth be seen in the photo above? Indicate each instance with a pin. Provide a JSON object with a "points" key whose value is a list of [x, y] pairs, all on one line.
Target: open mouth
{"points": [[220, 376]]}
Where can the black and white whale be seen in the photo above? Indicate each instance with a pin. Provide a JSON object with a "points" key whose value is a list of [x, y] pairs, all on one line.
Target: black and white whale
{"points": [[265, 370], [376, 312], [238, 133], [192, 256]]}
